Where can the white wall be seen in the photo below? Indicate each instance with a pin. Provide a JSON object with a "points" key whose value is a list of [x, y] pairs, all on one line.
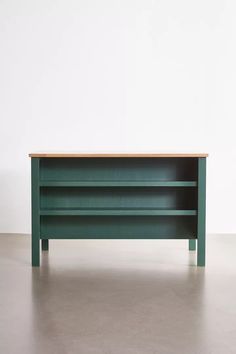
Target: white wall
{"points": [[120, 75]]}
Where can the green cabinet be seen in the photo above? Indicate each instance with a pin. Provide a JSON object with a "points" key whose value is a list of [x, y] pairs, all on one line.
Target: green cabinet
{"points": [[118, 196]]}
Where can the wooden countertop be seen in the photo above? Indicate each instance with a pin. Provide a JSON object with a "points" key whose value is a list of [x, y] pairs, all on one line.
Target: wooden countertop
{"points": [[81, 155]]}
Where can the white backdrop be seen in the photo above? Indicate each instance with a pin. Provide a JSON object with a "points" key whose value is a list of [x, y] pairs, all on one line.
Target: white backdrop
{"points": [[124, 75]]}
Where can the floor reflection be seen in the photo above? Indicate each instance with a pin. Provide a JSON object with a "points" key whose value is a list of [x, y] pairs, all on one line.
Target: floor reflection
{"points": [[120, 306], [129, 297]]}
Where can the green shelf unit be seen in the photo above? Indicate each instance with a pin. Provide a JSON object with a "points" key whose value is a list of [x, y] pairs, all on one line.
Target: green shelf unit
{"points": [[125, 196]]}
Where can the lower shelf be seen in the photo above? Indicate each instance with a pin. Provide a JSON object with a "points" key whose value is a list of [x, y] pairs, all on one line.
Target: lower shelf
{"points": [[118, 227], [117, 211]]}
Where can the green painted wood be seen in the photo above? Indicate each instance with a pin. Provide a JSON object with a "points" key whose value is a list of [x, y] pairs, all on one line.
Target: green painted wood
{"points": [[106, 198], [116, 212], [118, 227], [118, 184], [192, 245], [45, 245], [201, 239], [167, 198], [35, 201]]}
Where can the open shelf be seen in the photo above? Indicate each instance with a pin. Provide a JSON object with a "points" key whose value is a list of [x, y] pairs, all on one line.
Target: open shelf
{"points": [[117, 211], [141, 183], [118, 227]]}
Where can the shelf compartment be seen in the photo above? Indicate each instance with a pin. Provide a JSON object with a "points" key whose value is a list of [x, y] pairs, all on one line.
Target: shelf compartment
{"points": [[118, 227], [137, 211], [120, 169], [56, 183], [168, 198]]}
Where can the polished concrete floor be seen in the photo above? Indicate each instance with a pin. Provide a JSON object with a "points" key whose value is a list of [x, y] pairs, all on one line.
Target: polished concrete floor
{"points": [[117, 297]]}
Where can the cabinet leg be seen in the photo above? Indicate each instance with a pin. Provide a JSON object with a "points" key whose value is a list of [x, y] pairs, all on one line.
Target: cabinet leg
{"points": [[44, 245], [35, 251], [192, 245], [201, 252]]}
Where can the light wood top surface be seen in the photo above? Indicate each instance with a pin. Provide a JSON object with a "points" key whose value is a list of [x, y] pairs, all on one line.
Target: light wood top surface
{"points": [[81, 155]]}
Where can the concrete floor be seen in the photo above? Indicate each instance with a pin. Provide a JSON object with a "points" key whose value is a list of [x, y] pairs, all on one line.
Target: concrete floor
{"points": [[117, 297]]}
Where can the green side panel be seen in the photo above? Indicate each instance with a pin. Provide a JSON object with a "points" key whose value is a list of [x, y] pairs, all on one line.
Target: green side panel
{"points": [[118, 227], [35, 202], [201, 222], [119, 169], [164, 198]]}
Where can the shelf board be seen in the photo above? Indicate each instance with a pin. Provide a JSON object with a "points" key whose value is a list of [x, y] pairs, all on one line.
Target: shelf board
{"points": [[116, 211], [118, 183]]}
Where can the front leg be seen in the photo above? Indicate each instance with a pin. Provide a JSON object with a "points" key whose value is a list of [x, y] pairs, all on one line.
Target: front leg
{"points": [[45, 245]]}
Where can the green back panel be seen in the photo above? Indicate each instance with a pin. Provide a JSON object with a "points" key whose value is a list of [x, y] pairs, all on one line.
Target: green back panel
{"points": [[70, 198]]}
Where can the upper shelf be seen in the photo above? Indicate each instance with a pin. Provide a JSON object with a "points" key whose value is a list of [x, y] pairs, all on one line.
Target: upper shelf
{"points": [[117, 155], [48, 183]]}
